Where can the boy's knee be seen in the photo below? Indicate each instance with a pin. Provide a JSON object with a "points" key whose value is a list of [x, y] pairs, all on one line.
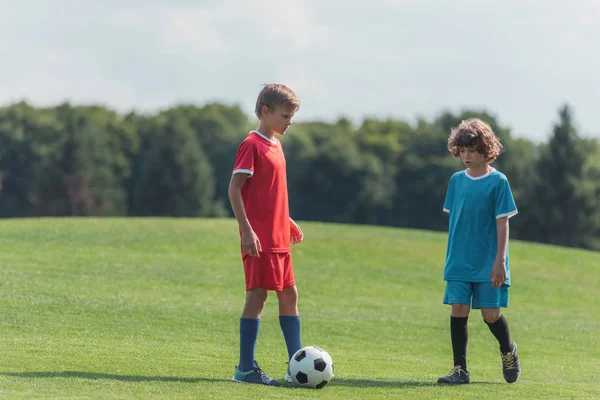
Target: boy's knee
{"points": [[291, 292], [255, 302], [460, 310], [256, 296], [288, 301], [490, 315], [288, 293]]}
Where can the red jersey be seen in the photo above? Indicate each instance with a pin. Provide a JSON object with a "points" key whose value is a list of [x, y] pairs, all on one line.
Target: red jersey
{"points": [[265, 192]]}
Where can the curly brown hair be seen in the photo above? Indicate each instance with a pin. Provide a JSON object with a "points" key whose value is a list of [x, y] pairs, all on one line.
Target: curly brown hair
{"points": [[475, 132], [275, 95]]}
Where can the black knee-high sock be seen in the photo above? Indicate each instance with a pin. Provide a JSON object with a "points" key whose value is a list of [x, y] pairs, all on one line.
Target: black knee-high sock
{"points": [[500, 331], [460, 337]]}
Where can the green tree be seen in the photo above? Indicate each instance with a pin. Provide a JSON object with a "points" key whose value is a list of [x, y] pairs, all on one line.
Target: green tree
{"points": [[381, 144], [219, 129], [76, 175], [324, 172], [174, 177], [119, 146], [592, 179], [424, 169], [563, 201], [21, 128]]}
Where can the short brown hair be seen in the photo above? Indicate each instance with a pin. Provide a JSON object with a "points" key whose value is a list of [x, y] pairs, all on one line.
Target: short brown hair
{"points": [[475, 132], [275, 95]]}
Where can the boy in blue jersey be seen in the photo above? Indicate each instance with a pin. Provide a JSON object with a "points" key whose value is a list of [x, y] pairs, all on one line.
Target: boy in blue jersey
{"points": [[477, 272]]}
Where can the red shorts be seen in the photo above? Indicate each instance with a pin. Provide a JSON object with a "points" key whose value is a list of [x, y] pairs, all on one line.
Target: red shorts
{"points": [[270, 271]]}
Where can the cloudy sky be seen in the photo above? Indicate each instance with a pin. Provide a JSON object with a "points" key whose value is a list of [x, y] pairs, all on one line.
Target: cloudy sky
{"points": [[519, 59]]}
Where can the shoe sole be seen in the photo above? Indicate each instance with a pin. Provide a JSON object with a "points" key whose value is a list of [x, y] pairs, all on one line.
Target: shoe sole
{"points": [[253, 383]]}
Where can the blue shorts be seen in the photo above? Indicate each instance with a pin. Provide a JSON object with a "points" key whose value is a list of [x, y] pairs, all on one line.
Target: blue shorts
{"points": [[476, 294]]}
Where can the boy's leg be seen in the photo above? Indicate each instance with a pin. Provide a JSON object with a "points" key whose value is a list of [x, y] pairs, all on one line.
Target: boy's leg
{"points": [[289, 320], [459, 333], [249, 324], [498, 326], [490, 299], [458, 295], [287, 294], [248, 371]]}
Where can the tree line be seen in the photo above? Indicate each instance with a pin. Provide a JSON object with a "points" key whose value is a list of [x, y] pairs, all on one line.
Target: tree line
{"points": [[92, 161]]}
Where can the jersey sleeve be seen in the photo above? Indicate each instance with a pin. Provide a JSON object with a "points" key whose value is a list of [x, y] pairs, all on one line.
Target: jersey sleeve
{"points": [[449, 197], [505, 203], [245, 158]]}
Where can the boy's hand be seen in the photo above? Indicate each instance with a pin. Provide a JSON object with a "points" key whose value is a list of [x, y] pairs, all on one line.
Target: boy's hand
{"points": [[498, 273], [296, 234], [250, 243]]}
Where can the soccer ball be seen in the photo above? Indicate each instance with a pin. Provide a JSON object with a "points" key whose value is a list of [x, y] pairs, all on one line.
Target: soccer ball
{"points": [[311, 367]]}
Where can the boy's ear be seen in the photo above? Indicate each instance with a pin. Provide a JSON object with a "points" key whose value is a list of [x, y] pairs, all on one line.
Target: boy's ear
{"points": [[264, 109]]}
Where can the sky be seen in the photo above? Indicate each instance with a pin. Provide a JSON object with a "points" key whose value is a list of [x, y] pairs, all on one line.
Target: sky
{"points": [[405, 59]]}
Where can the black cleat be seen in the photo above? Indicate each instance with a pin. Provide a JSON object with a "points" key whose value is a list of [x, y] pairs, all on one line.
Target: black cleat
{"points": [[456, 376], [511, 368]]}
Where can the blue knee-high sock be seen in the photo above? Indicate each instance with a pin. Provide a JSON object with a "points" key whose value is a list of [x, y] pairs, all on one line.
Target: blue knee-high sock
{"points": [[291, 332], [248, 336]]}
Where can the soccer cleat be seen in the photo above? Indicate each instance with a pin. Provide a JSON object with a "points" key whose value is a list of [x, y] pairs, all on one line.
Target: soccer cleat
{"points": [[255, 375], [456, 376], [511, 368], [288, 375]]}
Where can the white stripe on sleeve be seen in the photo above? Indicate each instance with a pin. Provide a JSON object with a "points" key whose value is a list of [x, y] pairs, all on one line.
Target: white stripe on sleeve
{"points": [[243, 171], [508, 214]]}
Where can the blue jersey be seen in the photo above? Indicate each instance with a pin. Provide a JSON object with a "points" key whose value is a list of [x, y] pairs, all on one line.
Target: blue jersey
{"points": [[474, 204]]}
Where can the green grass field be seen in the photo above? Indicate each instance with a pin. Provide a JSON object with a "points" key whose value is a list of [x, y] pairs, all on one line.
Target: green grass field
{"points": [[149, 308]]}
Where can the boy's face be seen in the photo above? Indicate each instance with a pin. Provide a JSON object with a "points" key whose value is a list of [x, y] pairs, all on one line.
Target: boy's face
{"points": [[471, 157], [278, 119]]}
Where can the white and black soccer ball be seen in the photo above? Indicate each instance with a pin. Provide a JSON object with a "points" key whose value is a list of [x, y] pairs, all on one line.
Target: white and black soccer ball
{"points": [[311, 367]]}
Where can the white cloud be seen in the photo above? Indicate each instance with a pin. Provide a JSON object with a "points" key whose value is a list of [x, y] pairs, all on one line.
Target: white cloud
{"points": [[193, 30], [518, 58], [59, 81], [288, 22], [212, 31]]}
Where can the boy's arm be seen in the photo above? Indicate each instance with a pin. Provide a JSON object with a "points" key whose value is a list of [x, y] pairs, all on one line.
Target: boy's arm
{"points": [[250, 243], [499, 269]]}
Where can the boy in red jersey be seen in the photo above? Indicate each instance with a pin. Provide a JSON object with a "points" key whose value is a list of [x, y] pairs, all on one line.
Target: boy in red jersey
{"points": [[259, 199]]}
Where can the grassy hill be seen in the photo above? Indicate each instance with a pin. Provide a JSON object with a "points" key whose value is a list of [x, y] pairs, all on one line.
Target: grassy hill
{"points": [[149, 308]]}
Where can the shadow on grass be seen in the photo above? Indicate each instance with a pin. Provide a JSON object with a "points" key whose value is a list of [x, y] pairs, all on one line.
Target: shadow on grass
{"points": [[366, 383], [96, 376]]}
